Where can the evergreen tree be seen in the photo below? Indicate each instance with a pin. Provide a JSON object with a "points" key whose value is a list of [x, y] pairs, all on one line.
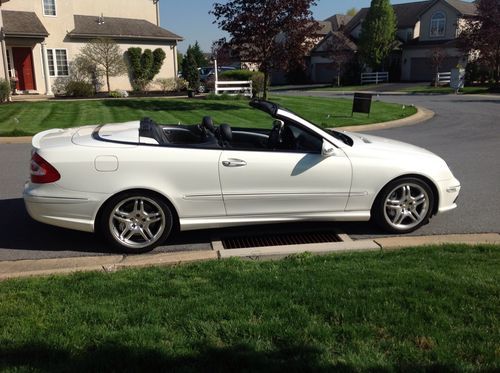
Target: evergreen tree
{"points": [[378, 33], [190, 71], [144, 65], [198, 55]]}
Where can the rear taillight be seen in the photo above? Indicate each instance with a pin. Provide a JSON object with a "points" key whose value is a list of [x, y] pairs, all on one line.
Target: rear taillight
{"points": [[42, 172]]}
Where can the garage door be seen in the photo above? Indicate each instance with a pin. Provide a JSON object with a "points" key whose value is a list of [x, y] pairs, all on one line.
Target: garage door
{"points": [[324, 73], [422, 70]]}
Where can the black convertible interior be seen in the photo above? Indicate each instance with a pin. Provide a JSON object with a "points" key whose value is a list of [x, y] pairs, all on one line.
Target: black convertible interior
{"points": [[283, 136]]}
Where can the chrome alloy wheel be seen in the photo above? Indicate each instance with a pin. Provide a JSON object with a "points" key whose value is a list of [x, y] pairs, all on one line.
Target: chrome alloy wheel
{"points": [[406, 206], [137, 222]]}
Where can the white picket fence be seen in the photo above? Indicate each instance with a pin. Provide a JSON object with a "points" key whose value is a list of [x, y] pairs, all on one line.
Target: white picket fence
{"points": [[444, 78], [242, 87], [378, 77]]}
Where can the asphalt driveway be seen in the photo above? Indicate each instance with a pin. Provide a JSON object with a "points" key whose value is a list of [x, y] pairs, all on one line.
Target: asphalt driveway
{"points": [[465, 132]]}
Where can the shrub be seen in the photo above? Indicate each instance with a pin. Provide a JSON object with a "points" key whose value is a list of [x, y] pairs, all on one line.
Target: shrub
{"points": [[78, 88], [144, 66], [256, 77], [119, 93], [475, 72], [236, 75], [181, 84], [4, 90], [258, 83], [166, 84]]}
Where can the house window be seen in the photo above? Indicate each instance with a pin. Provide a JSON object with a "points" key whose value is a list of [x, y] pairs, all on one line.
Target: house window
{"points": [[58, 62], [438, 24], [49, 7]]}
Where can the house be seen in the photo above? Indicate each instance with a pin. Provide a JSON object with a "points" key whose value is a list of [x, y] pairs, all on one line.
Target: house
{"points": [[440, 23], [329, 55], [422, 27], [39, 38]]}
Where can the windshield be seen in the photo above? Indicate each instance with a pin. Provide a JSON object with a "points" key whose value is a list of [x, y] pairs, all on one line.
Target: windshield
{"points": [[340, 136]]}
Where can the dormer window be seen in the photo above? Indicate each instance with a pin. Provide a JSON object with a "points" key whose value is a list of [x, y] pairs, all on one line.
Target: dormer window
{"points": [[438, 24], [49, 7]]}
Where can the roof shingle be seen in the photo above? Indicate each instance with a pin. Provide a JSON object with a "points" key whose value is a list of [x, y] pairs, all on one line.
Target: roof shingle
{"points": [[119, 28], [22, 24]]}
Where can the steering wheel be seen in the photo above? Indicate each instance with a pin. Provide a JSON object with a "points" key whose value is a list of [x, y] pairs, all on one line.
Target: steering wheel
{"points": [[274, 139]]}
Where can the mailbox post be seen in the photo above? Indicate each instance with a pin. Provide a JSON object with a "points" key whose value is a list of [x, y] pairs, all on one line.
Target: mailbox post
{"points": [[361, 103]]}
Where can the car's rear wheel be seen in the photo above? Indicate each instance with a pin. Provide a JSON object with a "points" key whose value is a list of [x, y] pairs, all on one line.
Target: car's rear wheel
{"points": [[403, 205], [136, 222]]}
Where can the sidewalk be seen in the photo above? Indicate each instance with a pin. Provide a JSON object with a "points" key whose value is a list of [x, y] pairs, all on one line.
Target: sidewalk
{"points": [[111, 263]]}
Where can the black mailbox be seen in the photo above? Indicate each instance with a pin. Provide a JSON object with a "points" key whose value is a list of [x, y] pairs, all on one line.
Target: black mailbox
{"points": [[362, 103]]}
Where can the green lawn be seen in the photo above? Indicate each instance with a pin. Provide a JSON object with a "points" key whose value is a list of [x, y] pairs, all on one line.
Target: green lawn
{"points": [[28, 118], [434, 308]]}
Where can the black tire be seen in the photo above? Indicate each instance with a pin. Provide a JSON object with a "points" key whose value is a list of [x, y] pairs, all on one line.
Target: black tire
{"points": [[136, 222], [403, 205]]}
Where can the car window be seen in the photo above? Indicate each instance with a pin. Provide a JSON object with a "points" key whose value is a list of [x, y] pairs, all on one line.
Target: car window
{"points": [[304, 141]]}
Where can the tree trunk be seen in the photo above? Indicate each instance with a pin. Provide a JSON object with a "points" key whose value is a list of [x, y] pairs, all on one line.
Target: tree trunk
{"points": [[266, 77], [107, 81]]}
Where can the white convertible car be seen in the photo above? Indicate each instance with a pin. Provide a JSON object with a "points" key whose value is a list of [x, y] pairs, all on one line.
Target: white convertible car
{"points": [[136, 182]]}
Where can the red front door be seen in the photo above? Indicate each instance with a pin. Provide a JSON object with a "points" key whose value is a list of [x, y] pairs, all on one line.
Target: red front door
{"points": [[23, 63]]}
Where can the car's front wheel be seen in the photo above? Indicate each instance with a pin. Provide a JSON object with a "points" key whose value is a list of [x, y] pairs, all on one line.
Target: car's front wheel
{"points": [[403, 205], [136, 222]]}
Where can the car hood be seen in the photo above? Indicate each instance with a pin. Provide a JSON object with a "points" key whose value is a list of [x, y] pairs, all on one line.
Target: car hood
{"points": [[381, 144], [379, 151]]}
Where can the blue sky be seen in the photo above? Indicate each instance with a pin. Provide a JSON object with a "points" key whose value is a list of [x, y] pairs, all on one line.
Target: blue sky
{"points": [[190, 18]]}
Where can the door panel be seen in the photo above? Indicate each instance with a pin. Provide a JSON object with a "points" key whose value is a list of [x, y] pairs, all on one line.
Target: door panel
{"points": [[23, 63], [275, 182]]}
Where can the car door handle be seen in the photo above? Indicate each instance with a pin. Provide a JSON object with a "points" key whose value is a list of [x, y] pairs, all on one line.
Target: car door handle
{"points": [[232, 162]]}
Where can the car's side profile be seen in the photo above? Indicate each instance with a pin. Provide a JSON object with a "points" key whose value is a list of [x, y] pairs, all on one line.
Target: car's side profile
{"points": [[138, 181]]}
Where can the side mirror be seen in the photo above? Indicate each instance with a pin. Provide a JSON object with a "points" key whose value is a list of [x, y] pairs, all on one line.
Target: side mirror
{"points": [[327, 149]]}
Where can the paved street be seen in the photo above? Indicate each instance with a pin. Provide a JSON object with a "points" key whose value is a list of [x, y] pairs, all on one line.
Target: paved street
{"points": [[465, 132]]}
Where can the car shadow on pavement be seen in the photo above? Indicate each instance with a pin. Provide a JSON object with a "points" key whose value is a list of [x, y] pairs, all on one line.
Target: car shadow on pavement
{"points": [[21, 232]]}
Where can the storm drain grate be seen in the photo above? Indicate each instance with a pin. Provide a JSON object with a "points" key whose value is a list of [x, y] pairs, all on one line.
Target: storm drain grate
{"points": [[279, 240]]}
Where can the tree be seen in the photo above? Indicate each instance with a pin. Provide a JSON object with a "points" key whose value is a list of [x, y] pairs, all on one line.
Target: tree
{"points": [[221, 52], [378, 33], [351, 12], [180, 57], [270, 33], [106, 56], [438, 55], [341, 50], [144, 65], [480, 36], [190, 71], [198, 55]]}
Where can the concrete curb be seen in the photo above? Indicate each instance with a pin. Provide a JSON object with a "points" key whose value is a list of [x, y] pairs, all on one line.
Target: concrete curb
{"points": [[422, 115], [16, 140], [45, 267]]}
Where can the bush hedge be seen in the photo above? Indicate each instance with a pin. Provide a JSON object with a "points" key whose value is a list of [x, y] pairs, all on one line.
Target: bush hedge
{"points": [[256, 77], [76, 88], [4, 90]]}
